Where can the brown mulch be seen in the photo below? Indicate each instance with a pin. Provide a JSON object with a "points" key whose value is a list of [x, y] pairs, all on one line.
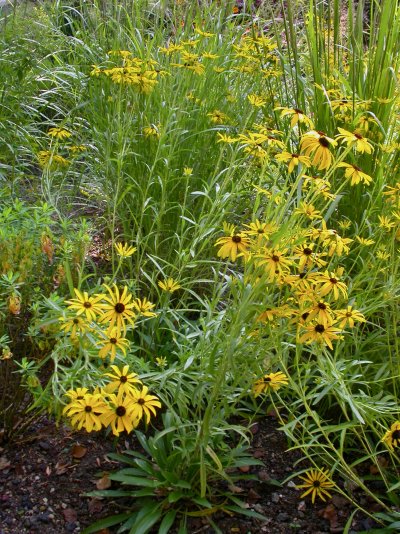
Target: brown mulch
{"points": [[44, 479]]}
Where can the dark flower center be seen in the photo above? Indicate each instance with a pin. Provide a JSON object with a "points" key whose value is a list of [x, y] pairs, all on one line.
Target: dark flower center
{"points": [[113, 341], [333, 280], [236, 239], [349, 314], [119, 308], [344, 101], [307, 251], [260, 231], [305, 315], [120, 411], [267, 379], [275, 258], [141, 401], [88, 409], [302, 275], [316, 483], [295, 155], [321, 306], [323, 141], [79, 397], [123, 379], [396, 435], [358, 136], [299, 111], [320, 328], [76, 320], [87, 304]]}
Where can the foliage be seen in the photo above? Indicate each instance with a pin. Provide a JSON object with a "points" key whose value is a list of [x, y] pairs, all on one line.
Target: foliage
{"points": [[239, 169]]}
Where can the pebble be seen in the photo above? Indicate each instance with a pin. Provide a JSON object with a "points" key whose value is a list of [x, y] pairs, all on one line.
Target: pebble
{"points": [[282, 517], [275, 497]]}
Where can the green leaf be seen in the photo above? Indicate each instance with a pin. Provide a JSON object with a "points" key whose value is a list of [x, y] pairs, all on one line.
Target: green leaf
{"points": [[245, 511], [146, 518], [134, 481], [167, 522], [107, 522], [176, 496]]}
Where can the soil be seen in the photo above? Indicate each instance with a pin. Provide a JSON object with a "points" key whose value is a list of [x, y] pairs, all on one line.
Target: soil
{"points": [[46, 475]]}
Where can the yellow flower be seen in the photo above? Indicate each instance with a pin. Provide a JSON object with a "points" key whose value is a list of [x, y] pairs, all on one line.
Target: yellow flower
{"points": [[169, 285], [118, 308], [308, 210], [321, 334], [364, 241], [392, 436], [316, 144], [256, 100], [122, 380], [187, 171], [270, 382], [49, 159], [232, 246], [297, 116], [331, 284], [274, 262], [74, 325], [152, 131], [355, 139], [144, 404], [112, 341], [294, 160], [316, 483], [348, 317], [86, 413], [124, 250], [59, 133], [386, 223], [83, 304], [355, 174], [119, 414], [218, 117], [223, 138], [144, 307]]}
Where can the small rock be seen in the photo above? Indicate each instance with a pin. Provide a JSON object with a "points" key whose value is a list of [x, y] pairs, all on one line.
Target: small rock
{"points": [[302, 506], [291, 484], [275, 497], [263, 475], [282, 517], [44, 445]]}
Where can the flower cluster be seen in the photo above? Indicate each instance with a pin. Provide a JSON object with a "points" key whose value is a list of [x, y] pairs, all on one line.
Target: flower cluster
{"points": [[121, 404]]}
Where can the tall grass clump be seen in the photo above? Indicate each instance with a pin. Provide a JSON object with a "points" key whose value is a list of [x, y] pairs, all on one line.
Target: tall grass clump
{"points": [[221, 208]]}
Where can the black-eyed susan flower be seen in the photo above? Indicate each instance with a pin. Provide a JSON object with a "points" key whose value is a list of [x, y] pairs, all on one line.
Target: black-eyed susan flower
{"points": [[321, 312], [386, 223], [331, 284], [59, 133], [121, 379], [319, 333], [169, 285], [152, 131], [365, 241], [233, 246], [77, 394], [117, 308], [144, 307], [348, 317], [309, 210], [124, 250], [218, 117], [316, 483], [111, 342], [119, 414], [14, 304], [275, 262], [307, 257], [256, 100], [143, 404], [317, 145], [355, 174], [86, 413], [83, 304], [296, 116], [360, 143], [392, 436], [270, 382], [74, 326], [293, 160], [46, 158]]}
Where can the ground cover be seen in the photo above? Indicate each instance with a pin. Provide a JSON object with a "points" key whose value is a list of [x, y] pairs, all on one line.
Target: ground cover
{"points": [[199, 228]]}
